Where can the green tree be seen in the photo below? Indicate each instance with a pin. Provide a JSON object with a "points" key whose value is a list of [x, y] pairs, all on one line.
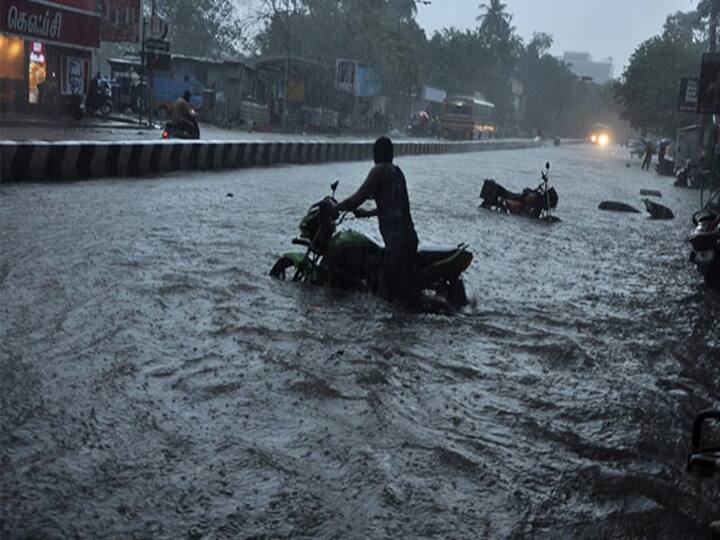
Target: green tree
{"points": [[502, 50], [649, 88], [202, 27]]}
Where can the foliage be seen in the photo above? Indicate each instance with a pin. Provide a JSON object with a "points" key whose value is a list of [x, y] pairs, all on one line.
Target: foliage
{"points": [[384, 34], [649, 88], [202, 27]]}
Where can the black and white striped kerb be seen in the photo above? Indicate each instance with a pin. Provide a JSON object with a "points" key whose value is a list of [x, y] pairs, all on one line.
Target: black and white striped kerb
{"points": [[67, 161]]}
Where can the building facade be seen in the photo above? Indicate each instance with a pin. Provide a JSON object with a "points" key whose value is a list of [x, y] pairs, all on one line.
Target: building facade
{"points": [[582, 65], [45, 50]]}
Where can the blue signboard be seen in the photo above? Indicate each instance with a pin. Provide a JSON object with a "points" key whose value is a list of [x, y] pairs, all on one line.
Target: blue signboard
{"points": [[367, 83]]}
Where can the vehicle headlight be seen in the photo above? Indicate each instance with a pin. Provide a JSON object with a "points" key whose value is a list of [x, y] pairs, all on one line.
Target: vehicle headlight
{"points": [[603, 139], [593, 138]]}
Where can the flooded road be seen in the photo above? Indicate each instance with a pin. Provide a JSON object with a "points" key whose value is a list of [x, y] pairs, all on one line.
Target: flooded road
{"points": [[157, 384]]}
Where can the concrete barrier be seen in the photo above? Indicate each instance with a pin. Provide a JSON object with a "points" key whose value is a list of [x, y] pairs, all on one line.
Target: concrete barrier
{"points": [[67, 161]]}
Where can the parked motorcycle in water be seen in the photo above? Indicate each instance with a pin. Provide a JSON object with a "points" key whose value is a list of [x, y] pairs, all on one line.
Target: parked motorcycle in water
{"points": [[102, 101], [535, 203], [691, 175], [705, 242], [351, 260]]}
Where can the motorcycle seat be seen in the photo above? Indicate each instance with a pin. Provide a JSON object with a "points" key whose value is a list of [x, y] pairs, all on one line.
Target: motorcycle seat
{"points": [[430, 254]]}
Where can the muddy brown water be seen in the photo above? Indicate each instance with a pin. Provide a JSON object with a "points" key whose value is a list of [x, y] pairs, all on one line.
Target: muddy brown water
{"points": [[155, 383]]}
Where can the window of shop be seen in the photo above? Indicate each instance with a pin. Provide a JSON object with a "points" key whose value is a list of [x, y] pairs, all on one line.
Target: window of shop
{"points": [[11, 58], [37, 71], [12, 61]]}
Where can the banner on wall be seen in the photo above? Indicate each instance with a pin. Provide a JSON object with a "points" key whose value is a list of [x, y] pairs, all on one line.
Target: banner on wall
{"points": [[74, 75]]}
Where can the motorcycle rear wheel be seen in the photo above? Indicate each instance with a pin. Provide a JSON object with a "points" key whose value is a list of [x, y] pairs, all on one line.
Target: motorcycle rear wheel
{"points": [[283, 269]]}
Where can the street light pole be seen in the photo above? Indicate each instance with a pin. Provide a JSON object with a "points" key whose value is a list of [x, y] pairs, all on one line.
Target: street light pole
{"points": [[708, 124], [712, 48]]}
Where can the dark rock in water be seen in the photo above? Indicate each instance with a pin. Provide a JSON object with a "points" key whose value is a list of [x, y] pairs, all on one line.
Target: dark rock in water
{"points": [[658, 211], [651, 193], [230, 195], [615, 206], [627, 165]]}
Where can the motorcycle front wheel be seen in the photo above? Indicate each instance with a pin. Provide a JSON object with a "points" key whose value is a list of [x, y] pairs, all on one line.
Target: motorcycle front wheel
{"points": [[284, 269], [106, 108]]}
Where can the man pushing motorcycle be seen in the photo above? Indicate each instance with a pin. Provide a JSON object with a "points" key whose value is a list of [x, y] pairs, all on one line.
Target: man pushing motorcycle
{"points": [[385, 183]]}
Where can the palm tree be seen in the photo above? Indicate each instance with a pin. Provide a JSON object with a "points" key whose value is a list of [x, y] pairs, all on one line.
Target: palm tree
{"points": [[495, 22]]}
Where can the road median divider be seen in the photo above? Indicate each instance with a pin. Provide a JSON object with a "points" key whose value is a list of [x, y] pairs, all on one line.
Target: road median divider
{"points": [[44, 161]]}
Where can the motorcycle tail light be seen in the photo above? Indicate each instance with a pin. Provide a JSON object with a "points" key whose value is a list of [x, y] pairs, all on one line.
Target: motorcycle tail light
{"points": [[165, 135]]}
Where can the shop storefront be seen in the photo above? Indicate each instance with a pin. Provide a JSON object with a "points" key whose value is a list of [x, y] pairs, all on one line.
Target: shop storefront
{"points": [[45, 51]]}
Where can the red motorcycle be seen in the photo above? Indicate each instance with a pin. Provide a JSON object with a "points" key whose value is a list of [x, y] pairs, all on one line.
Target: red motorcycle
{"points": [[535, 203], [705, 242]]}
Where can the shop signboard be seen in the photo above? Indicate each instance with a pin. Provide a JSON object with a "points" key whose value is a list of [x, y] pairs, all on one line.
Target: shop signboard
{"points": [[296, 91], [158, 61], [120, 20], [158, 28], [74, 75], [367, 83], [688, 95], [50, 24], [86, 5], [159, 45], [345, 75]]}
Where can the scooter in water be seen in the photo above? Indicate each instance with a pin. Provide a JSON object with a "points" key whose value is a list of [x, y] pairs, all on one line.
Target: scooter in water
{"points": [[705, 242], [350, 260], [186, 130], [535, 203]]}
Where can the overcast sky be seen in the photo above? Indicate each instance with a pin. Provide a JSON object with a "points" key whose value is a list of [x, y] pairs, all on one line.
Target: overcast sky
{"points": [[604, 28]]}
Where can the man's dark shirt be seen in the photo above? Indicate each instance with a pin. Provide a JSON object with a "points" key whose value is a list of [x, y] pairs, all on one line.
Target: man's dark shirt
{"points": [[386, 184]]}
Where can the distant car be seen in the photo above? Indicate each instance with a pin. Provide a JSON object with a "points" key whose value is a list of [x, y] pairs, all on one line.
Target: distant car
{"points": [[600, 135]]}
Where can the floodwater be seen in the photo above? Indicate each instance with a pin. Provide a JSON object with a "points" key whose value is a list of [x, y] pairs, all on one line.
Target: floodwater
{"points": [[156, 383]]}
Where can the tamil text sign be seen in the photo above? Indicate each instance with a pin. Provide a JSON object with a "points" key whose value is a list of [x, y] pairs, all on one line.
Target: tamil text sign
{"points": [[44, 22]]}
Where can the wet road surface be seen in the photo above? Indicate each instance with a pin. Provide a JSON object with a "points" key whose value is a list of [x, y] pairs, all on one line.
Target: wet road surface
{"points": [[157, 384]]}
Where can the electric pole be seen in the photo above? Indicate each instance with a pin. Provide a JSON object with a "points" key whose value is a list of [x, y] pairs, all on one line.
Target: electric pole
{"points": [[707, 119]]}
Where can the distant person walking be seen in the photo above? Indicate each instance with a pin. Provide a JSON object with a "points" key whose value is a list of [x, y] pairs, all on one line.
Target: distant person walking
{"points": [[649, 151]]}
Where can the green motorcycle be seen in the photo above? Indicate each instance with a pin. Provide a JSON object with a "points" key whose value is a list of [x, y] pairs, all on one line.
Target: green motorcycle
{"points": [[350, 260]]}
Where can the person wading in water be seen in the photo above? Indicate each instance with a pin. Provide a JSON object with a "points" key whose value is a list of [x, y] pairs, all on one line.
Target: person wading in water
{"points": [[386, 184]]}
